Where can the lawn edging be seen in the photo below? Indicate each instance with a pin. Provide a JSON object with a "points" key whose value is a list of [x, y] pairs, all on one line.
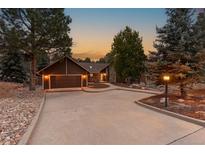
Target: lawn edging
{"points": [[169, 113], [25, 138], [119, 88]]}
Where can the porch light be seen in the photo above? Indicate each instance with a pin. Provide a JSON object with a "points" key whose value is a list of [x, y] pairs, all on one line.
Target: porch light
{"points": [[84, 76], [46, 77]]}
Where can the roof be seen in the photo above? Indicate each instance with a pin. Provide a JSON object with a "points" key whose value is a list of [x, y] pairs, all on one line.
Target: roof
{"points": [[73, 60], [93, 67], [89, 67]]}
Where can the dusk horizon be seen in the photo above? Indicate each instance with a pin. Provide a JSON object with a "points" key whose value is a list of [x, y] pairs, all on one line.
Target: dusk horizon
{"points": [[93, 30]]}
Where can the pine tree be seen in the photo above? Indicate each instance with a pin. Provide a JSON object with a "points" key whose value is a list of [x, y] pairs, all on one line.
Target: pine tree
{"points": [[12, 68], [42, 60], [38, 30], [11, 61], [199, 30], [128, 55], [177, 49]]}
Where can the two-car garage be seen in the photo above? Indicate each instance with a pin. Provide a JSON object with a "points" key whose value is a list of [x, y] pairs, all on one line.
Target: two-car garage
{"points": [[65, 81]]}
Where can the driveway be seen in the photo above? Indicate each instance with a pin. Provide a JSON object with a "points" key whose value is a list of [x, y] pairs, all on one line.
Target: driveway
{"points": [[109, 118]]}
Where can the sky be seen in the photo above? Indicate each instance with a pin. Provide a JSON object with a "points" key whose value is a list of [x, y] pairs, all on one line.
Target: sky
{"points": [[93, 30]]}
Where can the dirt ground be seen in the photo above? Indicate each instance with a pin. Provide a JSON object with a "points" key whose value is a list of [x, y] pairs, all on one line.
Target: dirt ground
{"points": [[192, 106], [18, 106]]}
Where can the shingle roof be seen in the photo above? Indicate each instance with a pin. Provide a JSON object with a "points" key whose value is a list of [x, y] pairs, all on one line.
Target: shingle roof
{"points": [[93, 67]]}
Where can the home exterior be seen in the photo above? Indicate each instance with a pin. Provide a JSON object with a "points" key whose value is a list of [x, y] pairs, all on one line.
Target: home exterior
{"points": [[68, 73]]}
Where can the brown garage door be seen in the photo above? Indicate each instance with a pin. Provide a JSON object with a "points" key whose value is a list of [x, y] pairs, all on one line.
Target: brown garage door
{"points": [[65, 81]]}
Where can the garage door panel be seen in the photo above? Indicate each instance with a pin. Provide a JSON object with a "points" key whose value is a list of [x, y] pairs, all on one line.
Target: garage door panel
{"points": [[65, 81]]}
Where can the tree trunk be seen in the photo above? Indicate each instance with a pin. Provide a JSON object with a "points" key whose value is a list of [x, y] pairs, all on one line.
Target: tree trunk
{"points": [[33, 73], [183, 90]]}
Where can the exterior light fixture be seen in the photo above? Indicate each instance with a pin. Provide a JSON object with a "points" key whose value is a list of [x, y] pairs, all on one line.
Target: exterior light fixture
{"points": [[46, 77], [84, 76], [166, 79]]}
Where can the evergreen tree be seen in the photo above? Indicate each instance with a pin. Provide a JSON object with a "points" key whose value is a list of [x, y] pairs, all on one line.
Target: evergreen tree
{"points": [[12, 68], [128, 55], [38, 30], [42, 60], [199, 30], [11, 61], [177, 49]]}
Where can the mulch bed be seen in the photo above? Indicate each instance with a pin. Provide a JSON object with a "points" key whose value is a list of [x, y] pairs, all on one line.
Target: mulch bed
{"points": [[98, 85], [18, 106], [193, 106]]}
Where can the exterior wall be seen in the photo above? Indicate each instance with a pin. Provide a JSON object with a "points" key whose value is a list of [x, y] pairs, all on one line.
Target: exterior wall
{"points": [[57, 68], [46, 83], [73, 68]]}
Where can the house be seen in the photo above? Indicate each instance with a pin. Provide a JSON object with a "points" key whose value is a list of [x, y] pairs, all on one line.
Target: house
{"points": [[69, 73]]}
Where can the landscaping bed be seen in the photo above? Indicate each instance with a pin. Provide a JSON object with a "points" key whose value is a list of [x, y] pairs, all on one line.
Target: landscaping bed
{"points": [[193, 106], [18, 106], [135, 86]]}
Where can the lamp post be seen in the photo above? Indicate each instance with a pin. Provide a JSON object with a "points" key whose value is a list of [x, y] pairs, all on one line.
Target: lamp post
{"points": [[166, 78]]}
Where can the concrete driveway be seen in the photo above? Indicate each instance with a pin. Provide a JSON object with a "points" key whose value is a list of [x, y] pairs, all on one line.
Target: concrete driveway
{"points": [[109, 118]]}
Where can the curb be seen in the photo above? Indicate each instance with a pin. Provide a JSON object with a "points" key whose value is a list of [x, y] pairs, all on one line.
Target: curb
{"points": [[25, 138], [175, 115], [97, 91], [133, 90]]}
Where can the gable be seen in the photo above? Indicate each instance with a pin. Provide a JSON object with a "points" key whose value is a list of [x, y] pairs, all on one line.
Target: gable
{"points": [[65, 65]]}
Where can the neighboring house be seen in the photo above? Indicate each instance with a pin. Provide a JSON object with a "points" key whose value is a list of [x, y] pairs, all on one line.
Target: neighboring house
{"points": [[67, 73]]}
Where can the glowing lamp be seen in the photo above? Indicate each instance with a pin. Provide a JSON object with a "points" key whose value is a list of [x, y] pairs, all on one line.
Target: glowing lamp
{"points": [[166, 78], [46, 77], [84, 76]]}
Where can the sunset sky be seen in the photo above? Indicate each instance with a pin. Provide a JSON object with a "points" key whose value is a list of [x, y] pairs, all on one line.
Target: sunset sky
{"points": [[93, 30]]}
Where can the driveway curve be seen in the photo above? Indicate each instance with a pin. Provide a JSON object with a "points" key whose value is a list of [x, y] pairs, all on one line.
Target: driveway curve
{"points": [[106, 118]]}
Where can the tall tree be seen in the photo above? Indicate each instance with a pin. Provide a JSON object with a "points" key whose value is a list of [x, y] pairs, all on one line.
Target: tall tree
{"points": [[128, 55], [199, 29], [38, 30], [12, 68], [43, 60], [11, 62], [177, 49]]}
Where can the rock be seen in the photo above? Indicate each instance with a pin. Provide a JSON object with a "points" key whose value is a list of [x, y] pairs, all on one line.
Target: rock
{"points": [[180, 100], [7, 143], [162, 100], [200, 112], [202, 101], [190, 101]]}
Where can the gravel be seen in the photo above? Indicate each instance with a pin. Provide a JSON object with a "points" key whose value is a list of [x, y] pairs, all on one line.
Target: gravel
{"points": [[17, 109]]}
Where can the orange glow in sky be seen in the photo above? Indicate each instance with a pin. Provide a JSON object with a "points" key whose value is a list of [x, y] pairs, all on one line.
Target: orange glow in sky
{"points": [[93, 30]]}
